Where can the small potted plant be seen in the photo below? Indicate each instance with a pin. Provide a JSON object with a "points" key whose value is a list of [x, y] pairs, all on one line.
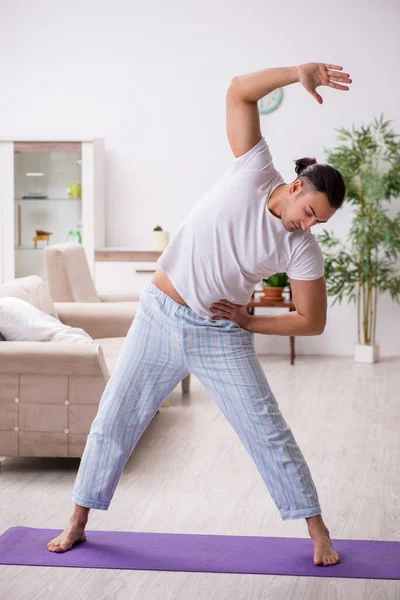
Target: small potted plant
{"points": [[160, 238], [274, 286]]}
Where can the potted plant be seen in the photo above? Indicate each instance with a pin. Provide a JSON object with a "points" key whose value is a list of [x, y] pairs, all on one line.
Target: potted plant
{"points": [[274, 286], [160, 238], [364, 265]]}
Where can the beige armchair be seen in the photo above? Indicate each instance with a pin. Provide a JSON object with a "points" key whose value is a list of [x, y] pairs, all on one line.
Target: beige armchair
{"points": [[76, 300], [69, 278]]}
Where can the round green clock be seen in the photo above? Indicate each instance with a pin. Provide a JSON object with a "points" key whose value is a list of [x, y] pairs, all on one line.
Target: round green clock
{"points": [[270, 102]]}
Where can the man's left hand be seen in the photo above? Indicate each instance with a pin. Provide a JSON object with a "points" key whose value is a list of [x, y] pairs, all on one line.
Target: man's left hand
{"points": [[225, 310]]}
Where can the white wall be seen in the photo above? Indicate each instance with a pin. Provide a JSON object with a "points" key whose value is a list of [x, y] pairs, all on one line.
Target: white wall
{"points": [[151, 79]]}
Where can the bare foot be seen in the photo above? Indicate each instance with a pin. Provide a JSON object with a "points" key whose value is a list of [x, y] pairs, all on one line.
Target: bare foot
{"points": [[70, 536], [74, 533], [324, 553]]}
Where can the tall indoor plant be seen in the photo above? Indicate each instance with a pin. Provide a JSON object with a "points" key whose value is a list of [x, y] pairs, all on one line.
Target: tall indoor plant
{"points": [[364, 265]]}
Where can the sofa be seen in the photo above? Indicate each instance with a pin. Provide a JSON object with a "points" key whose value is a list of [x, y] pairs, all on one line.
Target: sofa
{"points": [[49, 392]]}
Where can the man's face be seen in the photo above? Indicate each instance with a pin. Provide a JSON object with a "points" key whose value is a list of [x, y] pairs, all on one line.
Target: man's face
{"points": [[303, 209]]}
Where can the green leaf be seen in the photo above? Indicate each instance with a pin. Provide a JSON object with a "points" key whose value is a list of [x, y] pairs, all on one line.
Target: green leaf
{"points": [[277, 280]]}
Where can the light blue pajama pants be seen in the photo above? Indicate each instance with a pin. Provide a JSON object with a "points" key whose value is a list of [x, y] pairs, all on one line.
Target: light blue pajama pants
{"points": [[166, 342]]}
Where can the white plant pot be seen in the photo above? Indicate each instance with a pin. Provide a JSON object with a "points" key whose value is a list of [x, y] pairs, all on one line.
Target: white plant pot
{"points": [[366, 353], [159, 240]]}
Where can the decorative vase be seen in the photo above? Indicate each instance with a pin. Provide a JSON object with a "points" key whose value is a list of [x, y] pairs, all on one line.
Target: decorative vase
{"points": [[160, 240], [272, 293], [74, 191], [366, 353]]}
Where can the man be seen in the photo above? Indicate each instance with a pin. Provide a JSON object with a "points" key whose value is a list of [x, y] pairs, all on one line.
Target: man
{"points": [[192, 317]]}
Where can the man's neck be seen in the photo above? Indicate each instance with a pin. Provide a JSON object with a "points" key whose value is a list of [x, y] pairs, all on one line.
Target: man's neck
{"points": [[274, 203]]}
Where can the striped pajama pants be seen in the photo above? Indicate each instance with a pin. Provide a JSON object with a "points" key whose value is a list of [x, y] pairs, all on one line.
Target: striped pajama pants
{"points": [[166, 342]]}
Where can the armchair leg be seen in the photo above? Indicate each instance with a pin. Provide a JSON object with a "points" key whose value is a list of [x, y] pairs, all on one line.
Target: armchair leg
{"points": [[186, 384]]}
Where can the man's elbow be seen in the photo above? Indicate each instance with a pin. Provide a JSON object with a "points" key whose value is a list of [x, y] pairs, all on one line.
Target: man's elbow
{"points": [[234, 88], [317, 327], [314, 325]]}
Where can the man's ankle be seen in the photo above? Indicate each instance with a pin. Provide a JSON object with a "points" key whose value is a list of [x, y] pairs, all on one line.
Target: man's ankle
{"points": [[317, 524], [315, 519], [78, 523], [80, 517]]}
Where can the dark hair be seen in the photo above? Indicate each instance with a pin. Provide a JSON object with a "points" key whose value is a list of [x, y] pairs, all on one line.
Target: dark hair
{"points": [[323, 178]]}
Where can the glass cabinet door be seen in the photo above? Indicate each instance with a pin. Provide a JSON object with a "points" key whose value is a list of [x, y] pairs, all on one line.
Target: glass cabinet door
{"points": [[48, 200]]}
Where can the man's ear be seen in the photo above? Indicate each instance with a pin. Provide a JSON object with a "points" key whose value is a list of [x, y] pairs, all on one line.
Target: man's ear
{"points": [[296, 186]]}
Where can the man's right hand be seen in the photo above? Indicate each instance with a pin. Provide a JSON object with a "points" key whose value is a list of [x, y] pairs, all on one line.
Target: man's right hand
{"points": [[224, 310], [312, 75]]}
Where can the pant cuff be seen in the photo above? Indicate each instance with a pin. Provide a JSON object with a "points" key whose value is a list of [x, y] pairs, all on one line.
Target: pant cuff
{"points": [[88, 503], [301, 514]]}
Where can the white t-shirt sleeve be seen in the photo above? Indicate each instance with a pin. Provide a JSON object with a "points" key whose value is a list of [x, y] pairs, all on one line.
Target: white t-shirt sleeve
{"points": [[257, 158], [307, 262]]}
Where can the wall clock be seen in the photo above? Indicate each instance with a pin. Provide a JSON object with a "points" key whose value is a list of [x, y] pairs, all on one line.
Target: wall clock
{"points": [[270, 102]]}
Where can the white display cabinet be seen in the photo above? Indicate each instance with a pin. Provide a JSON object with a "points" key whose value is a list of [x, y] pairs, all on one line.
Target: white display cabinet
{"points": [[50, 192]]}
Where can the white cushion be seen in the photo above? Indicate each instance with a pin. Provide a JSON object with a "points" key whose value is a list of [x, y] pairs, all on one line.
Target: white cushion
{"points": [[20, 321]]}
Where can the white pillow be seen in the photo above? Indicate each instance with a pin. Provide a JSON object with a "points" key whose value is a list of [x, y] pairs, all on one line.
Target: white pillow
{"points": [[20, 321]]}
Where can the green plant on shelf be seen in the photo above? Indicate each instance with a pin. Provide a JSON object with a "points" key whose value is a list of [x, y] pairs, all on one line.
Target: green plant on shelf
{"points": [[276, 280], [75, 236]]}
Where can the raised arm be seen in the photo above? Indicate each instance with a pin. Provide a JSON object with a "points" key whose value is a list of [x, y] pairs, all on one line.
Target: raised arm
{"points": [[242, 117]]}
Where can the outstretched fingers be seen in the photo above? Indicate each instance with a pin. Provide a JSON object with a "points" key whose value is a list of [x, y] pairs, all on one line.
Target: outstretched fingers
{"points": [[336, 80], [337, 86], [334, 67], [337, 75]]}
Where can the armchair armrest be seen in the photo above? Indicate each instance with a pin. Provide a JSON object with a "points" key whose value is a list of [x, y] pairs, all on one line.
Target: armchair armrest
{"points": [[127, 297], [53, 358], [98, 319]]}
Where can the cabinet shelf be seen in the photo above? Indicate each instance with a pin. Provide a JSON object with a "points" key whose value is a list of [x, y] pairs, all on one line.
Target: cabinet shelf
{"points": [[29, 248], [30, 200]]}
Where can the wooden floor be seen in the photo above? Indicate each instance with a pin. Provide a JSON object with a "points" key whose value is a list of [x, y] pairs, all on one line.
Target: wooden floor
{"points": [[190, 474]]}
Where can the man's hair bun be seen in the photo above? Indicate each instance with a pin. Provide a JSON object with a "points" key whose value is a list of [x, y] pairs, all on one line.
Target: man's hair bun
{"points": [[303, 163], [322, 178]]}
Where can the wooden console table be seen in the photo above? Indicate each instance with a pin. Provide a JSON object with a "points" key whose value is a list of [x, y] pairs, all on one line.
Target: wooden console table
{"points": [[126, 255], [287, 303]]}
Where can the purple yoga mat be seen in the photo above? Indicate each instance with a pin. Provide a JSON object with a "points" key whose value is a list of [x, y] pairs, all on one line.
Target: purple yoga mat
{"points": [[202, 553]]}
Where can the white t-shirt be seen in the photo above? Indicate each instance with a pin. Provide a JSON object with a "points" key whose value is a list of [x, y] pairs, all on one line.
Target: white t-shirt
{"points": [[230, 240]]}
